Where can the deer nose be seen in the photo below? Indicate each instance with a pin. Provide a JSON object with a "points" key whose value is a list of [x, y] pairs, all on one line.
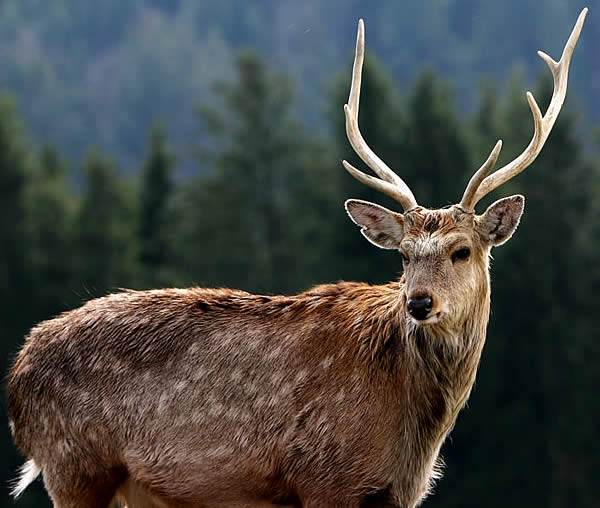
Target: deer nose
{"points": [[420, 307]]}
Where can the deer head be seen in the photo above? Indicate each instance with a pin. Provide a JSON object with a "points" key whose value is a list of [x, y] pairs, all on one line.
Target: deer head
{"points": [[445, 252]]}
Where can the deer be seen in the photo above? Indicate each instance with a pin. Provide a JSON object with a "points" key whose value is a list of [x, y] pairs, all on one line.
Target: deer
{"points": [[340, 396]]}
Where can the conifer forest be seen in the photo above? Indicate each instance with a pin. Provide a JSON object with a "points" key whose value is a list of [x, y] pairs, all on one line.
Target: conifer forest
{"points": [[177, 143]]}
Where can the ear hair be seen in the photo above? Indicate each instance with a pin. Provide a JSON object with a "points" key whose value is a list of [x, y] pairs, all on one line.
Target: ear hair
{"points": [[380, 226], [500, 220]]}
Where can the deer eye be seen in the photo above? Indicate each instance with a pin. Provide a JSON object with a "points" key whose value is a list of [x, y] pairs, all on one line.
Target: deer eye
{"points": [[461, 254]]}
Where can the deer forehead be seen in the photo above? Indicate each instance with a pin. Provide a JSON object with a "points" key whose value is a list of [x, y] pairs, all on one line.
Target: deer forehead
{"points": [[437, 230]]}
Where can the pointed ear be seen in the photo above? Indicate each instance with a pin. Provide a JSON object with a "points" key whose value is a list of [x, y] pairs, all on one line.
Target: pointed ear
{"points": [[501, 219], [380, 226]]}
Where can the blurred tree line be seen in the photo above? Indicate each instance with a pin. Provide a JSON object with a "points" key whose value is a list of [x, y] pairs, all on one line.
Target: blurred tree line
{"points": [[105, 69], [266, 215]]}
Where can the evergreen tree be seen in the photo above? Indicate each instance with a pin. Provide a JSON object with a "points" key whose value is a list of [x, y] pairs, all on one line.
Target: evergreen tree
{"points": [[156, 186], [50, 208], [434, 144], [15, 166], [245, 228], [103, 230]]}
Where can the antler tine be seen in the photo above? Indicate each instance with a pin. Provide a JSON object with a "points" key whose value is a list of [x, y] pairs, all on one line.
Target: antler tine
{"points": [[479, 176], [542, 124], [390, 183]]}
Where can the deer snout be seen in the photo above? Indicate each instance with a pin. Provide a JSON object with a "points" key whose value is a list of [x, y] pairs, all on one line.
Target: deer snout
{"points": [[419, 306]]}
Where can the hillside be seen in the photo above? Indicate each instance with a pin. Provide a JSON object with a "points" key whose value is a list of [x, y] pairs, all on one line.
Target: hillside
{"points": [[85, 73]]}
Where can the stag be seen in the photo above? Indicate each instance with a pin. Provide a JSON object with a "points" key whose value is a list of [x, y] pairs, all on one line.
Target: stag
{"points": [[339, 396]]}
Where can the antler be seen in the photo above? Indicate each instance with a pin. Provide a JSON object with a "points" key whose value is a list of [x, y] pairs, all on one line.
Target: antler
{"points": [[480, 184], [390, 183]]}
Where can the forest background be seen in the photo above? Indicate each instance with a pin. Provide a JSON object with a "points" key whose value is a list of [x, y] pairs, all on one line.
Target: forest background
{"points": [[174, 143]]}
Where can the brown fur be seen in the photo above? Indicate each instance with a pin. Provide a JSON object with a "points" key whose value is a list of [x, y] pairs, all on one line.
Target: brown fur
{"points": [[215, 397]]}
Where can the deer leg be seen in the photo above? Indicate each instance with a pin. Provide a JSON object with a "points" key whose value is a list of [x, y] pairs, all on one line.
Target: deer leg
{"points": [[133, 495], [77, 490], [78, 499]]}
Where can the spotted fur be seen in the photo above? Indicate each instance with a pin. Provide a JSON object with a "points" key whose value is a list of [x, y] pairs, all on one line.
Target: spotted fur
{"points": [[217, 397]]}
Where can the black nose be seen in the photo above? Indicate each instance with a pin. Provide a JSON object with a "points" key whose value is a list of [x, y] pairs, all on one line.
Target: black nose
{"points": [[420, 307]]}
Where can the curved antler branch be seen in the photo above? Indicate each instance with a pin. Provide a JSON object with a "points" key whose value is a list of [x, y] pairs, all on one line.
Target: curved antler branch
{"points": [[542, 126], [479, 176], [390, 183]]}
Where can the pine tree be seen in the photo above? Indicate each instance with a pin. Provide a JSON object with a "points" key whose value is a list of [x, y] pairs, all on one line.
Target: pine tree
{"points": [[156, 187], [434, 145], [15, 167], [50, 209], [242, 223], [103, 230]]}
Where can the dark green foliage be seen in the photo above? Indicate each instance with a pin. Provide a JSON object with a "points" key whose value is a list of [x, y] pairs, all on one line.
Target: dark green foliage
{"points": [[156, 187], [242, 220], [14, 174], [435, 144], [50, 208], [103, 230]]}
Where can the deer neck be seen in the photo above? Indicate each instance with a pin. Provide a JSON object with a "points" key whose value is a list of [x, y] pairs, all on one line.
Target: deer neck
{"points": [[442, 360]]}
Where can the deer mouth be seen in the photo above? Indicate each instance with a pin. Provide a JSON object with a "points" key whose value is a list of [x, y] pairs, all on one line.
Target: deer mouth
{"points": [[431, 320]]}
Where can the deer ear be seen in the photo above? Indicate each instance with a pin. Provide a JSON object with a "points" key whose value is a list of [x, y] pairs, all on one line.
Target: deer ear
{"points": [[380, 226], [501, 219]]}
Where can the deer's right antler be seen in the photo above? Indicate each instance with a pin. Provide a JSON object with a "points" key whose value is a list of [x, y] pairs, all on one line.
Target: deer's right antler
{"points": [[481, 184], [389, 183]]}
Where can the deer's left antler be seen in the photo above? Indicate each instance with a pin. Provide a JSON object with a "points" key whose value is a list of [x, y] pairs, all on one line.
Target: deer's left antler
{"points": [[481, 184]]}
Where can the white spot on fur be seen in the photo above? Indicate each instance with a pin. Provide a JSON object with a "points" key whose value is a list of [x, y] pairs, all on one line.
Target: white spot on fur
{"points": [[219, 451], [64, 447], [326, 363], [216, 409], [253, 344], [260, 400], [232, 413], [199, 373], [273, 400], [243, 441], [180, 386], [163, 403], [84, 397], [252, 388], [285, 389], [274, 353]]}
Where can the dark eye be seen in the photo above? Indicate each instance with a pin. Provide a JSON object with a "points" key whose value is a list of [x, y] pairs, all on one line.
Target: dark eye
{"points": [[405, 259], [461, 254]]}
